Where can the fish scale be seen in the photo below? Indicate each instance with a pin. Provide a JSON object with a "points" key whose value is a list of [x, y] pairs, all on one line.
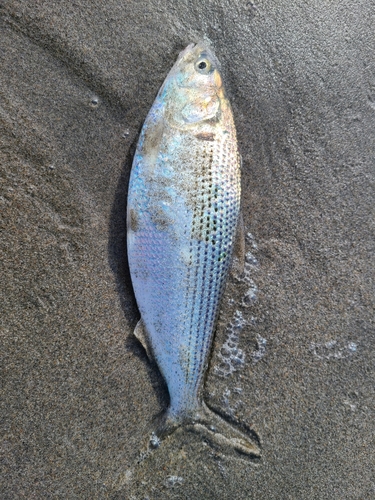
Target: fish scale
{"points": [[211, 268], [183, 211]]}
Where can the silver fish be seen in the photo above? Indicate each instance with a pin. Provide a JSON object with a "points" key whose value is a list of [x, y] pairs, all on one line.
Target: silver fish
{"points": [[183, 213]]}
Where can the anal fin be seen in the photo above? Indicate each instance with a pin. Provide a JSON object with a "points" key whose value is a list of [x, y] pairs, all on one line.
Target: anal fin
{"points": [[141, 333]]}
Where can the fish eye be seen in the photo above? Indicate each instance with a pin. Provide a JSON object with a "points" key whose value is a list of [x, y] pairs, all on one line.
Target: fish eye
{"points": [[203, 66]]}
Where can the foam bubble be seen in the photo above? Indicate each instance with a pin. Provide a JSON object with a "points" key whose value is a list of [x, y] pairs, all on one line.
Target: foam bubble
{"points": [[250, 296], [232, 358], [245, 276], [173, 481], [249, 238], [333, 349], [352, 346], [154, 441], [251, 259], [231, 408], [261, 351]]}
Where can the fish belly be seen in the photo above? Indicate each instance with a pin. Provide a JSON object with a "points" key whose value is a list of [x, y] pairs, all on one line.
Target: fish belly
{"points": [[183, 207]]}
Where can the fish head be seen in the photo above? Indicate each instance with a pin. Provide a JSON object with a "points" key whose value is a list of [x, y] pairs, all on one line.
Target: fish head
{"points": [[193, 90]]}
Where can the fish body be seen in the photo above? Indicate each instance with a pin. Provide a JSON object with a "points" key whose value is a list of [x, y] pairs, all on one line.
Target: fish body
{"points": [[183, 213]]}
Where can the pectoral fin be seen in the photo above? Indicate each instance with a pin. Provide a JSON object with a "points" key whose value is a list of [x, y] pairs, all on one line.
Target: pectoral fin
{"points": [[141, 333]]}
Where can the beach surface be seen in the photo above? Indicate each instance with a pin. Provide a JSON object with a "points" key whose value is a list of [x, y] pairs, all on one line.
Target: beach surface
{"points": [[79, 395]]}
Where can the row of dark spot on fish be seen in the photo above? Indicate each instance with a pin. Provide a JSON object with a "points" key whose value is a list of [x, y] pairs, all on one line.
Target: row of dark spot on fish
{"points": [[214, 223]]}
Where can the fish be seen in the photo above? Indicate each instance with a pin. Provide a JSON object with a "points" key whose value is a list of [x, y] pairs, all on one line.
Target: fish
{"points": [[183, 218]]}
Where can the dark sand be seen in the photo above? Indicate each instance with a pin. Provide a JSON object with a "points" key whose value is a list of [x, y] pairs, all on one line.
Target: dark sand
{"points": [[78, 394]]}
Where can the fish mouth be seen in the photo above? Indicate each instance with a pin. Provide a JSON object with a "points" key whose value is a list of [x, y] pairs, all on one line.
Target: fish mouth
{"points": [[186, 51]]}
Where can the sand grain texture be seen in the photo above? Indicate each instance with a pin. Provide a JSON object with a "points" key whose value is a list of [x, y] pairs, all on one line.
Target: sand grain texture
{"points": [[78, 394]]}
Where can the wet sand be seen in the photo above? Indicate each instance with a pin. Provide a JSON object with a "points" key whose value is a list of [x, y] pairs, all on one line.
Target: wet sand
{"points": [[78, 393]]}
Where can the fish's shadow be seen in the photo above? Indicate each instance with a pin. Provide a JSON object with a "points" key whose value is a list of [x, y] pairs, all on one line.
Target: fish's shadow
{"points": [[118, 261]]}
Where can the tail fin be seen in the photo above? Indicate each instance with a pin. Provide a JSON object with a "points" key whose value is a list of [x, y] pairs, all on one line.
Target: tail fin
{"points": [[215, 429], [223, 434]]}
